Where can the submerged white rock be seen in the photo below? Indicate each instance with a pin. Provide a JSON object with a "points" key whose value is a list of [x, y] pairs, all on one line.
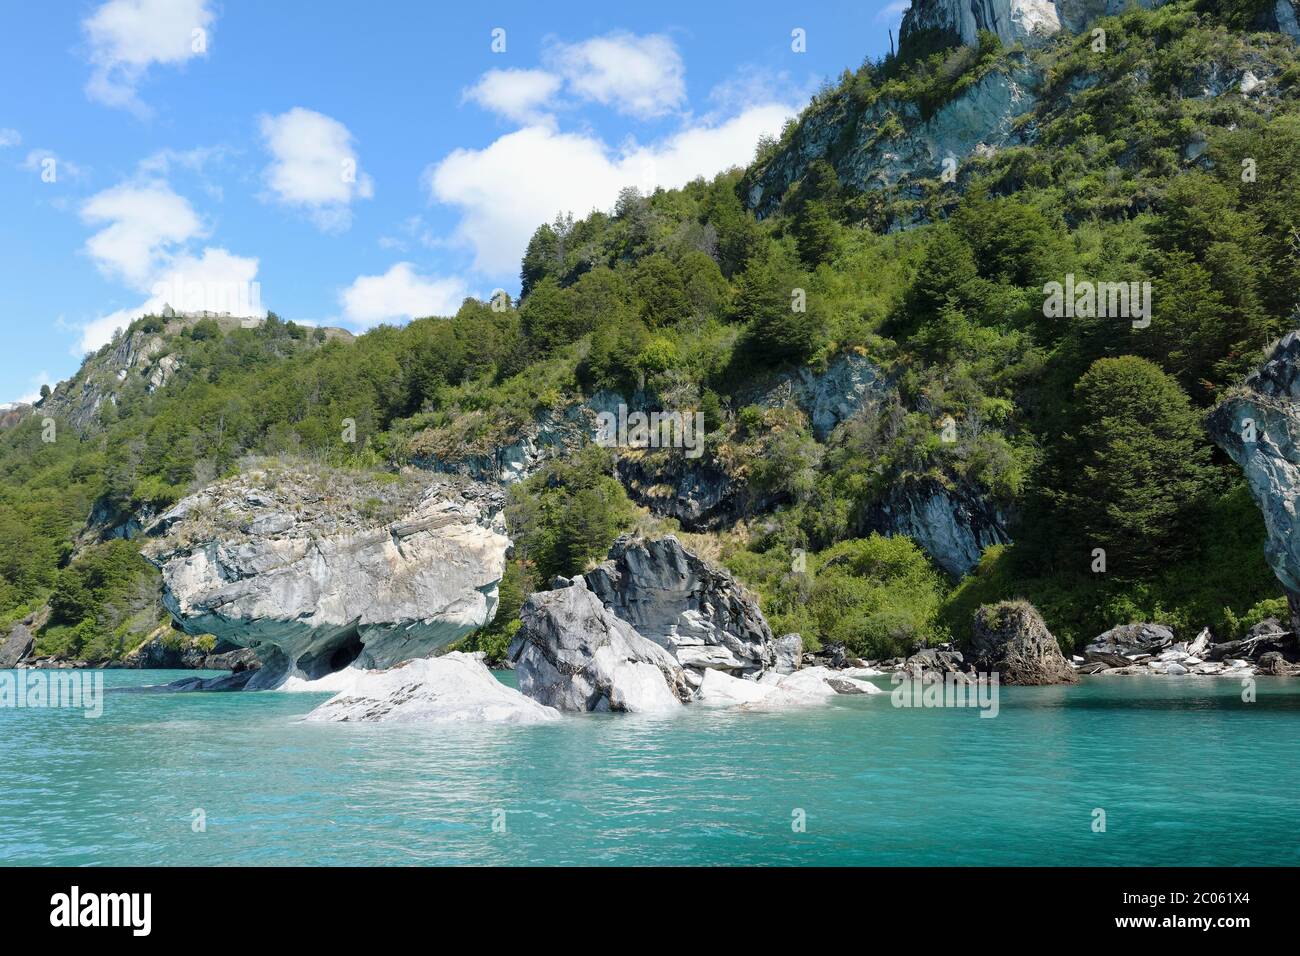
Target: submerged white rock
{"points": [[811, 685], [454, 688]]}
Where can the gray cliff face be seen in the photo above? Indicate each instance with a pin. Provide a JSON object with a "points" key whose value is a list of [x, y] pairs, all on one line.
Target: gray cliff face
{"points": [[697, 611], [953, 526], [552, 434], [1258, 425], [640, 632], [136, 357], [879, 155], [850, 383], [1014, 21], [573, 653], [320, 572], [699, 492]]}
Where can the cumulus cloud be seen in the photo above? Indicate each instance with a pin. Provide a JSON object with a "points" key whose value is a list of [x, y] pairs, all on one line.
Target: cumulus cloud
{"points": [[126, 37], [640, 76], [144, 224], [9, 137], [146, 241], [523, 179], [35, 382], [216, 280], [518, 95], [400, 293], [314, 166]]}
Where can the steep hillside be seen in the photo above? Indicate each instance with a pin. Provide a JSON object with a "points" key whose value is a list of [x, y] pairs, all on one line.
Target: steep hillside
{"points": [[895, 421]]}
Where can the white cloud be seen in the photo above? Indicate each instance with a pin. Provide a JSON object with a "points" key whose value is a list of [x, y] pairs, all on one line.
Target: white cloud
{"points": [[126, 37], [48, 163], [314, 166], [401, 293], [36, 381], [638, 75], [145, 222], [215, 281], [9, 137], [506, 190], [518, 95]]}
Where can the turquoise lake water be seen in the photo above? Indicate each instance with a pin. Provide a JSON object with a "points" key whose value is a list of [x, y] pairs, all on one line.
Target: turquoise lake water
{"points": [[1185, 771]]}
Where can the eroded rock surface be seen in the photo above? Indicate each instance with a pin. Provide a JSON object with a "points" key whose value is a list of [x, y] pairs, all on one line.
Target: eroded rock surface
{"points": [[319, 571], [453, 688], [1258, 425], [1011, 638], [693, 609], [573, 653], [952, 525]]}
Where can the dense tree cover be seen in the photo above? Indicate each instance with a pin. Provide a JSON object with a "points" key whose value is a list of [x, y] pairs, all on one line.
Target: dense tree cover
{"points": [[1086, 431]]}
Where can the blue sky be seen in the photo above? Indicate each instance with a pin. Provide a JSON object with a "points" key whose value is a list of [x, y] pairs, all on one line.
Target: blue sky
{"points": [[355, 163]]}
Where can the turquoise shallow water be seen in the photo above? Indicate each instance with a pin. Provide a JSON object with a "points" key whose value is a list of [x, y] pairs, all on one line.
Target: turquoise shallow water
{"points": [[1186, 772]]}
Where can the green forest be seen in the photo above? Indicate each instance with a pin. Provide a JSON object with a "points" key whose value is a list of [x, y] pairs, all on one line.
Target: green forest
{"points": [[1086, 432]]}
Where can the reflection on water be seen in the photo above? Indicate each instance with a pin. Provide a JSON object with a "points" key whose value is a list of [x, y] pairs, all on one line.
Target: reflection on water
{"points": [[1172, 762]]}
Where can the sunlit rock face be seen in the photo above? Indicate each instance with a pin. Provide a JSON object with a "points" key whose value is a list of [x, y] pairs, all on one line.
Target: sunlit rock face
{"points": [[573, 653], [455, 688], [321, 571], [1026, 21], [1258, 425], [695, 610]]}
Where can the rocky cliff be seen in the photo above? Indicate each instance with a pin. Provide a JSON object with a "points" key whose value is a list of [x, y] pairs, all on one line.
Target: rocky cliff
{"points": [[1034, 22], [320, 571], [1258, 425], [692, 608], [878, 141]]}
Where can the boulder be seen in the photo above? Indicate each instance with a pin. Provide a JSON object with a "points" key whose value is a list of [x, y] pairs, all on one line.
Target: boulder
{"points": [[167, 649], [453, 688], [789, 653], [1011, 638], [320, 570], [691, 608], [16, 646], [1120, 645], [573, 653]]}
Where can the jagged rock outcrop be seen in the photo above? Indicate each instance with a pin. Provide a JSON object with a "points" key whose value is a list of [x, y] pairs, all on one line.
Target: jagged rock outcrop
{"points": [[952, 525], [639, 632], [139, 356], [850, 383], [891, 141], [17, 645], [789, 653], [1120, 646], [694, 610], [573, 653], [318, 570], [12, 414], [1030, 22], [166, 649], [1011, 639], [553, 433], [453, 688], [1258, 425]]}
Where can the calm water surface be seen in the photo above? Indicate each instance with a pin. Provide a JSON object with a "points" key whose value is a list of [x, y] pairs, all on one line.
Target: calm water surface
{"points": [[1185, 771]]}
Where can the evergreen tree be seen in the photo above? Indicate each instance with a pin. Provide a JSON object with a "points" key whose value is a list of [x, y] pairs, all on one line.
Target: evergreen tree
{"points": [[1135, 470]]}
